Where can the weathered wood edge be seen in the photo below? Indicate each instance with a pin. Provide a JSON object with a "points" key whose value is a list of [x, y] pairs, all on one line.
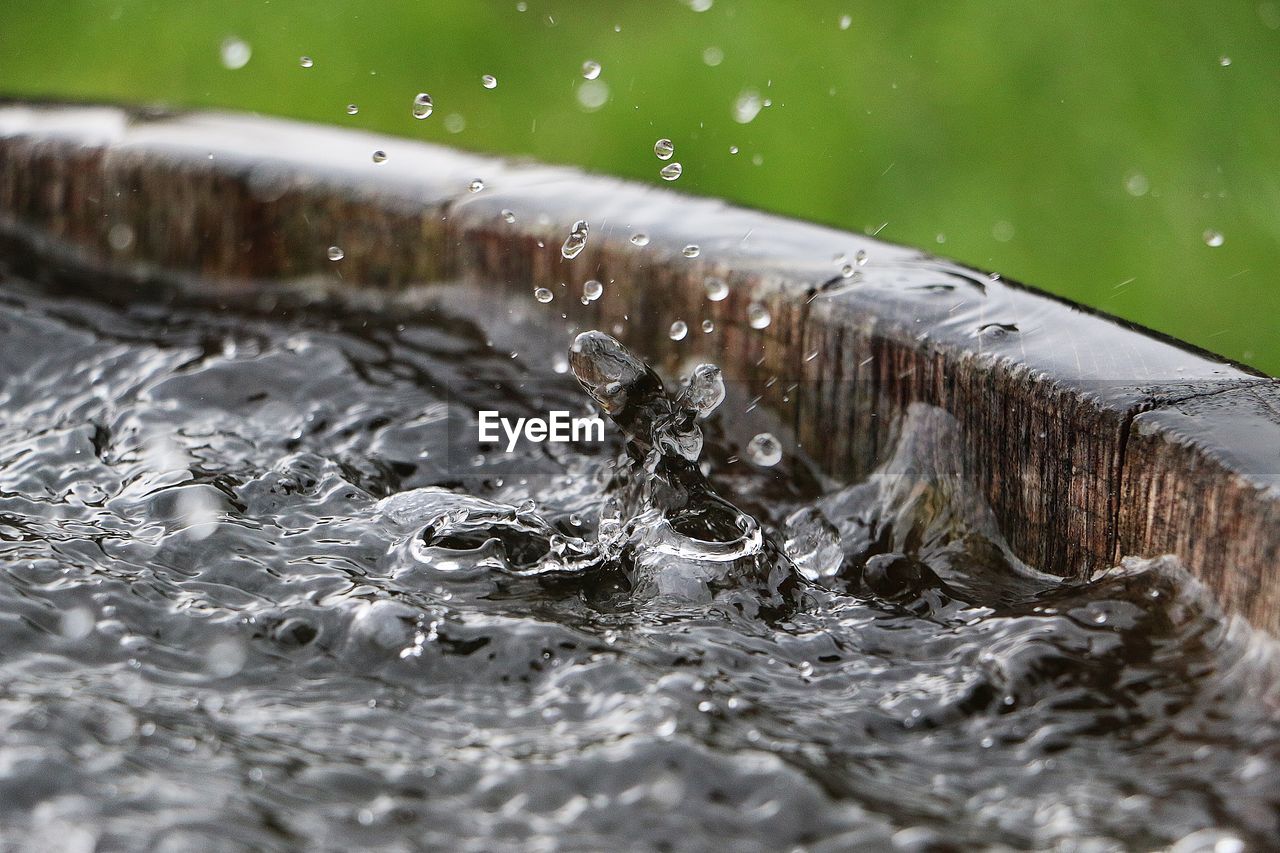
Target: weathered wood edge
{"points": [[1090, 439]]}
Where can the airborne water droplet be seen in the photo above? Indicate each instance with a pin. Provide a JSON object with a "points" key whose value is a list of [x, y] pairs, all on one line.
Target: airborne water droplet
{"points": [[664, 148], [352, 109], [691, 251], [576, 241], [336, 253], [716, 289], [747, 106], [678, 330], [706, 389], [235, 53], [1213, 238], [475, 186], [422, 105], [860, 257], [489, 81], [671, 171], [708, 327], [846, 21], [591, 291], [591, 69], [305, 62], [543, 295], [379, 156], [640, 239], [508, 216], [758, 316], [764, 450]]}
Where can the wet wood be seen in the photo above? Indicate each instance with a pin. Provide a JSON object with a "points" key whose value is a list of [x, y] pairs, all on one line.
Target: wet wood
{"points": [[1090, 439]]}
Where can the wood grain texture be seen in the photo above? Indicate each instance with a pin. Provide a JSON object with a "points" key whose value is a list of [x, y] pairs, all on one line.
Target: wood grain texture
{"points": [[1091, 439]]}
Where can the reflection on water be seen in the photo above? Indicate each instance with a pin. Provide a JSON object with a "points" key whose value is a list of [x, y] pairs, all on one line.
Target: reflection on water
{"points": [[255, 593]]}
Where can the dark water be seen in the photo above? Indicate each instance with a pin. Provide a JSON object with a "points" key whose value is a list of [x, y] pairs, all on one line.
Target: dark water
{"points": [[256, 591]]}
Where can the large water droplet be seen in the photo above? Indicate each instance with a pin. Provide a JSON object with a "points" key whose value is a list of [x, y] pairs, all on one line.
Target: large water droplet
{"points": [[422, 105], [576, 241], [706, 389], [758, 316], [691, 251], [747, 106], [591, 69], [336, 253], [764, 450], [679, 329], [592, 95], [475, 186], [708, 327], [379, 156], [489, 81], [671, 171], [716, 289], [1213, 238], [235, 53], [306, 62], [640, 239], [543, 295], [846, 21], [664, 148], [591, 291]]}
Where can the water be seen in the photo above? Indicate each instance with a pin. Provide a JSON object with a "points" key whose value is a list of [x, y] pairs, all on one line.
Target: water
{"points": [[423, 105], [671, 171], [260, 593]]}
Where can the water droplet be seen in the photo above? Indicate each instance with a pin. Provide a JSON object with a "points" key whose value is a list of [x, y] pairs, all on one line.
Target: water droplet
{"points": [[708, 327], [671, 171], [764, 450], [455, 123], [352, 109], [592, 95], [747, 106], [679, 329], [336, 253], [706, 389], [235, 53], [691, 251], [305, 62], [758, 316], [489, 81], [733, 149], [713, 56], [640, 239], [699, 5], [716, 289], [475, 186], [1224, 61], [846, 21], [860, 257], [576, 241], [591, 69], [77, 623], [591, 291], [379, 156], [810, 356], [560, 364], [543, 295], [1213, 238], [847, 271], [1136, 184], [422, 105], [508, 216], [664, 148]]}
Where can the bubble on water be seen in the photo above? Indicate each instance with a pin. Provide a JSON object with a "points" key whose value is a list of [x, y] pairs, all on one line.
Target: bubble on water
{"points": [[1213, 238], [764, 450], [747, 106], [543, 295], [576, 241], [455, 123], [508, 216], [475, 186], [664, 148], [422, 105], [305, 61], [640, 239], [225, 657], [336, 253], [76, 623], [591, 69], [1224, 61], [706, 389], [716, 289], [1136, 184], [379, 156], [846, 21], [489, 81], [235, 53], [708, 327], [758, 316], [671, 171], [679, 329], [591, 291], [593, 94], [352, 109], [713, 56], [691, 251]]}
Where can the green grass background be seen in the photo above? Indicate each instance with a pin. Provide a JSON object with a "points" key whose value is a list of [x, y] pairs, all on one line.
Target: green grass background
{"points": [[1005, 128]]}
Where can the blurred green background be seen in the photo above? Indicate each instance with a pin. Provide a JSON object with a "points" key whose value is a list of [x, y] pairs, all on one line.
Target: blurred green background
{"points": [[1089, 147]]}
